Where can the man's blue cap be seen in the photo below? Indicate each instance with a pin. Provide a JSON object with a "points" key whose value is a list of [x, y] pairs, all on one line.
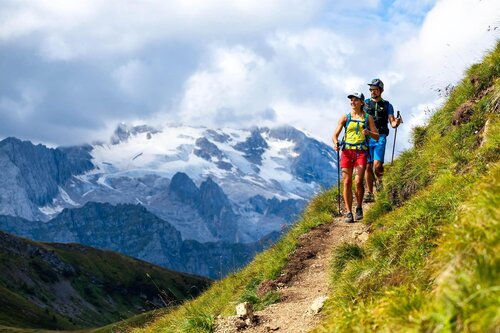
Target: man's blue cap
{"points": [[377, 83]]}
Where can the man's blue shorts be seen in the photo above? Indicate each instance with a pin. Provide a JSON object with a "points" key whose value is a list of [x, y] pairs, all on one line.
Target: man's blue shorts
{"points": [[377, 149]]}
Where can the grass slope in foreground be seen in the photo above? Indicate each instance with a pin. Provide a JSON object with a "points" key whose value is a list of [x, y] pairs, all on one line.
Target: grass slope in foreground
{"points": [[432, 262]]}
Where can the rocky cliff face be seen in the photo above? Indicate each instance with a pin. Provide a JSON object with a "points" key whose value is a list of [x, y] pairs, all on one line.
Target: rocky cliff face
{"points": [[32, 175], [184, 189], [141, 162], [253, 147], [214, 206]]}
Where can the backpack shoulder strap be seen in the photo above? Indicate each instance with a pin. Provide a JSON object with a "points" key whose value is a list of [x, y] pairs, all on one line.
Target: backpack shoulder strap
{"points": [[388, 106], [348, 115]]}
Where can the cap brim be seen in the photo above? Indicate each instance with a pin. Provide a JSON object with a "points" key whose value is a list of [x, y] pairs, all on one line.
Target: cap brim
{"points": [[375, 85], [350, 96]]}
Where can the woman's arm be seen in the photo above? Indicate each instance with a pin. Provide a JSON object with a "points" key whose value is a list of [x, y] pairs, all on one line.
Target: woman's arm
{"points": [[336, 133]]}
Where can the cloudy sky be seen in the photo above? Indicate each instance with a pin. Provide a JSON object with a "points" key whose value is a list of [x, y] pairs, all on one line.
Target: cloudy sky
{"points": [[70, 71]]}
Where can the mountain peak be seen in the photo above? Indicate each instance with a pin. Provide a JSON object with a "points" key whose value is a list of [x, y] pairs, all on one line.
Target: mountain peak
{"points": [[184, 188]]}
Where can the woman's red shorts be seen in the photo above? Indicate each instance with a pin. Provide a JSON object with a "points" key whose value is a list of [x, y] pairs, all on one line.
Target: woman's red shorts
{"points": [[350, 158]]}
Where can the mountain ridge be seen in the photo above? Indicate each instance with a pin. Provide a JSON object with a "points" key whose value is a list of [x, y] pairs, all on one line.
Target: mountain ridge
{"points": [[70, 286], [139, 163], [134, 231]]}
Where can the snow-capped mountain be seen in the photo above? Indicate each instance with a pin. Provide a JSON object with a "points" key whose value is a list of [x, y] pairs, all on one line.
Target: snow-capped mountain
{"points": [[244, 163], [225, 184]]}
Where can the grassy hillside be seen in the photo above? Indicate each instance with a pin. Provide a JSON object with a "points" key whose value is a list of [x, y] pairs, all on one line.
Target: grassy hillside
{"points": [[70, 286], [432, 262]]}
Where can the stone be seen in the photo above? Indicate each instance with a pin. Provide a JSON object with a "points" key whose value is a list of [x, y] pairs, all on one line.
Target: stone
{"points": [[244, 310], [318, 304], [363, 237], [240, 324]]}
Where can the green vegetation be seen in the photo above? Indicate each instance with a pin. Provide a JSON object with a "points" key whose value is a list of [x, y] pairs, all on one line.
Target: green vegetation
{"points": [[431, 263], [70, 286]]}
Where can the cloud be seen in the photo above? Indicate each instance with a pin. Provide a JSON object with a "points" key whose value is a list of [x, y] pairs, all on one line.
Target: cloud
{"points": [[89, 65], [232, 83], [131, 76], [453, 36], [63, 30], [23, 107], [298, 71]]}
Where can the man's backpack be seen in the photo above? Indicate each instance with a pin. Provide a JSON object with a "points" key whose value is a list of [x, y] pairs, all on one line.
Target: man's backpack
{"points": [[381, 118]]}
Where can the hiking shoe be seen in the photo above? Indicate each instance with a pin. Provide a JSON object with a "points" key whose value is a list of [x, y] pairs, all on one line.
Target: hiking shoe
{"points": [[369, 197], [359, 213], [378, 185], [348, 218]]}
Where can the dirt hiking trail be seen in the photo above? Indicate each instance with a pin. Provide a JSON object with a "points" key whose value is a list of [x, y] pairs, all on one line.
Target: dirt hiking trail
{"points": [[304, 280]]}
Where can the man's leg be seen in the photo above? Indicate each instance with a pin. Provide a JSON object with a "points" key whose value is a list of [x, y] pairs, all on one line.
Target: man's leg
{"points": [[379, 169], [369, 177], [378, 160]]}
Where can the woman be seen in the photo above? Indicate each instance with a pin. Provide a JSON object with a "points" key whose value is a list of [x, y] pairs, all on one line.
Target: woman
{"points": [[354, 151]]}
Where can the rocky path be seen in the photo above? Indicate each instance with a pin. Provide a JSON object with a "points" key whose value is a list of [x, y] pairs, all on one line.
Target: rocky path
{"points": [[304, 282]]}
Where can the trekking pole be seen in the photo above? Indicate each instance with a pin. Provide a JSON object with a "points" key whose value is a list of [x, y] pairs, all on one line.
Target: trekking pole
{"points": [[395, 133], [338, 176]]}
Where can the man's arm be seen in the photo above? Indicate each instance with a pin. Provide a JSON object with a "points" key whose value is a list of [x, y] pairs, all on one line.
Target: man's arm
{"points": [[372, 132], [393, 120]]}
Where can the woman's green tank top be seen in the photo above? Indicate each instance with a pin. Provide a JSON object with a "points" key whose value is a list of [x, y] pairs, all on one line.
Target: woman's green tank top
{"points": [[354, 137]]}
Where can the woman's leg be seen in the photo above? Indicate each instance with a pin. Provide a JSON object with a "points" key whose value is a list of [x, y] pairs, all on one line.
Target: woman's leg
{"points": [[358, 180], [347, 176]]}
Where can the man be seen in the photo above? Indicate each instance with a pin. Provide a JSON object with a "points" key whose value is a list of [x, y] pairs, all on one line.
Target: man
{"points": [[383, 114]]}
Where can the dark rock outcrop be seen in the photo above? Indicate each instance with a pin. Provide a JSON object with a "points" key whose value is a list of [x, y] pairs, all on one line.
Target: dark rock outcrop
{"points": [[209, 151], [288, 209], [214, 206], [253, 147], [183, 188]]}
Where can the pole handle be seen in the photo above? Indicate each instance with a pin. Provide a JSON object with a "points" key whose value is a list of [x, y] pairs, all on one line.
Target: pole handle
{"points": [[398, 116]]}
